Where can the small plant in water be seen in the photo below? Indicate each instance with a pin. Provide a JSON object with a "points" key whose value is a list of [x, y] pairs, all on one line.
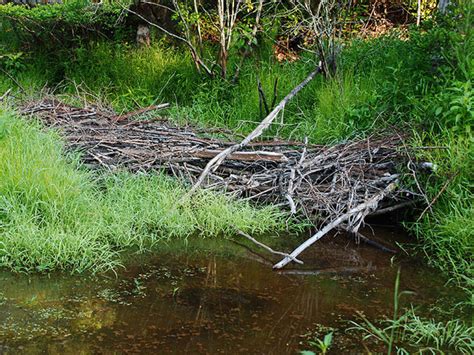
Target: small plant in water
{"points": [[175, 291], [409, 330], [321, 345]]}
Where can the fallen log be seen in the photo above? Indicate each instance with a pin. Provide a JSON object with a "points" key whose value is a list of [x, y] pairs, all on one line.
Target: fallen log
{"points": [[360, 209]]}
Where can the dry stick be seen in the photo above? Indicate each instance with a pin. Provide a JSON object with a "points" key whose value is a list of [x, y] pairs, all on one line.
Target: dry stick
{"points": [[366, 205], [291, 187], [12, 78], [244, 156], [256, 256], [5, 94], [266, 247], [437, 196], [218, 159], [392, 208], [141, 111]]}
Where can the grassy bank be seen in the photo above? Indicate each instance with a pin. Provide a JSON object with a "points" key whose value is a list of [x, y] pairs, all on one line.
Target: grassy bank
{"points": [[56, 215]]}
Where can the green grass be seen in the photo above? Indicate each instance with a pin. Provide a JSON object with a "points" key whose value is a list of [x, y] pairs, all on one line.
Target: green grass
{"points": [[409, 333], [447, 232], [55, 215], [127, 78]]}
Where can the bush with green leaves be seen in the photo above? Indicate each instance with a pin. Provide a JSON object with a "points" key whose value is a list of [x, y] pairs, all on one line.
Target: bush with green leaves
{"points": [[60, 25]]}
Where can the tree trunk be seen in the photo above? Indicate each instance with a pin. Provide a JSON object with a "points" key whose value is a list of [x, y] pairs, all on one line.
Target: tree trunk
{"points": [[442, 6]]}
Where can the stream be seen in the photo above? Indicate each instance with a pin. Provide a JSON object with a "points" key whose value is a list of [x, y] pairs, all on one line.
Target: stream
{"points": [[202, 301]]}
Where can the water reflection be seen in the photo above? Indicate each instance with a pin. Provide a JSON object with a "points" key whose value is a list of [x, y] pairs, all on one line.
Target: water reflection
{"points": [[205, 304]]}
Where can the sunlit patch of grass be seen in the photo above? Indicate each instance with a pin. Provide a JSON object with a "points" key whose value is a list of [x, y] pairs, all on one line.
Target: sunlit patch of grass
{"points": [[47, 206], [55, 215], [141, 210]]}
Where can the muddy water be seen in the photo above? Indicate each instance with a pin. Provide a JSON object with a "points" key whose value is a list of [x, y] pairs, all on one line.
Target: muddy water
{"points": [[203, 302]]}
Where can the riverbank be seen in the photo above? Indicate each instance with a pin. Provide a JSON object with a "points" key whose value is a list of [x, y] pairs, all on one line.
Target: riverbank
{"points": [[382, 82], [57, 215]]}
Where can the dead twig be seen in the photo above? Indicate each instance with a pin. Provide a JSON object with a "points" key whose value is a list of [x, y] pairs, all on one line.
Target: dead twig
{"points": [[267, 248], [5, 95], [433, 201], [141, 111], [12, 78]]}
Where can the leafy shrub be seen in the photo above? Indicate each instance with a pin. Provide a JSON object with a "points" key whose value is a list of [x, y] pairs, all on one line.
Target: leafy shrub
{"points": [[61, 24]]}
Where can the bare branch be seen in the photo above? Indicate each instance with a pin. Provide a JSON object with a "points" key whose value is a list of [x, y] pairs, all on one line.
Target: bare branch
{"points": [[368, 205], [218, 159], [266, 247]]}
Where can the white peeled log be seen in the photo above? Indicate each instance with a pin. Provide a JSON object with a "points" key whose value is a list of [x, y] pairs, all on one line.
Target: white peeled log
{"points": [[371, 204]]}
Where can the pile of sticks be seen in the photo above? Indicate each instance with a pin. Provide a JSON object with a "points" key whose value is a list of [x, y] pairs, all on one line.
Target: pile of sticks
{"points": [[337, 186]]}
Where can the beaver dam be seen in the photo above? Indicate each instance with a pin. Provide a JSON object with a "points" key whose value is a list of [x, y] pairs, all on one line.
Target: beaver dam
{"points": [[336, 187]]}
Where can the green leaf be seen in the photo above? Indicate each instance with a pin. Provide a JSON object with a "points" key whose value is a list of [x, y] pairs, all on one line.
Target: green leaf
{"points": [[328, 339]]}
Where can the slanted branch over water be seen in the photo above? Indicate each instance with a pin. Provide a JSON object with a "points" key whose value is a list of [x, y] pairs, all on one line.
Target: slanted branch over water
{"points": [[337, 186]]}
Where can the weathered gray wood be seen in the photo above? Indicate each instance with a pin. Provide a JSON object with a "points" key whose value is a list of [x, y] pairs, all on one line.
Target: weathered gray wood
{"points": [[342, 183], [369, 205], [266, 247], [244, 156], [218, 159]]}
